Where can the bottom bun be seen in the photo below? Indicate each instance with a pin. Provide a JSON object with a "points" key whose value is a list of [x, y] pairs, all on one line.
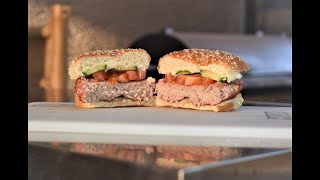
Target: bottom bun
{"points": [[228, 105], [117, 102]]}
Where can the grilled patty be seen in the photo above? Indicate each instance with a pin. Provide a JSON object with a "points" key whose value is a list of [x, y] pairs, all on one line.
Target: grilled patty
{"points": [[198, 94], [90, 91]]}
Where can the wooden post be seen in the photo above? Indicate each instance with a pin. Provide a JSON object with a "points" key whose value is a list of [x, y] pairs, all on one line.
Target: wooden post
{"points": [[55, 54]]}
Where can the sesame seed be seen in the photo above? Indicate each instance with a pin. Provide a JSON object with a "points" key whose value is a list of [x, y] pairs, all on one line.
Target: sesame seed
{"points": [[206, 56]]}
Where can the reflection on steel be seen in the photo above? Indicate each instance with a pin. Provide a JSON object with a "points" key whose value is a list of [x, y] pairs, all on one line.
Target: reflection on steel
{"points": [[271, 165], [114, 161], [52, 164]]}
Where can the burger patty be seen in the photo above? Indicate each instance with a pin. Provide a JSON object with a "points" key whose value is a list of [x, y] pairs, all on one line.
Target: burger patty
{"points": [[198, 94], [90, 91]]}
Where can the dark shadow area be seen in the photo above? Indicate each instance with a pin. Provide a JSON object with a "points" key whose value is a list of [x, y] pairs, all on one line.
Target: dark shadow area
{"points": [[157, 45], [271, 94], [35, 67]]}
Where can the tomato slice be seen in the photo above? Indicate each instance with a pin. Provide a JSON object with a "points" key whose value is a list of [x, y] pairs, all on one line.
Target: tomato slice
{"points": [[132, 75], [207, 81], [188, 80], [180, 79], [192, 80], [119, 76], [123, 78], [169, 77], [100, 75], [113, 78], [141, 74]]}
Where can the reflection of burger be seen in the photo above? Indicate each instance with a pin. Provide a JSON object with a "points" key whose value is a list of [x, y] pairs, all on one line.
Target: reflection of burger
{"points": [[164, 156], [200, 79], [112, 78], [133, 153], [185, 156]]}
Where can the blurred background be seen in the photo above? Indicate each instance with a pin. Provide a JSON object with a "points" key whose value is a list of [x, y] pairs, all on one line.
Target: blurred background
{"points": [[259, 31]]}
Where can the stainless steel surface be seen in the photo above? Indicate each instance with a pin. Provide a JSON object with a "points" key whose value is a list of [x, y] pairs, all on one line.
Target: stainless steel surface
{"points": [[52, 161], [272, 165], [52, 164]]}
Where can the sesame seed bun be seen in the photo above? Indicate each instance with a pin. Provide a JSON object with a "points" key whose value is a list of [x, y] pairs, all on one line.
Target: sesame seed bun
{"points": [[111, 58], [195, 60]]}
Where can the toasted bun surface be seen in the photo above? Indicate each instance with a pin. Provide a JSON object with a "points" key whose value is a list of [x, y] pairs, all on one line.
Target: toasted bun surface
{"points": [[111, 58], [225, 106], [195, 60], [118, 102]]}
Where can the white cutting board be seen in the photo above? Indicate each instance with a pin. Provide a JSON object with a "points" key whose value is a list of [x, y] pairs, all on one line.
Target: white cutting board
{"points": [[249, 126]]}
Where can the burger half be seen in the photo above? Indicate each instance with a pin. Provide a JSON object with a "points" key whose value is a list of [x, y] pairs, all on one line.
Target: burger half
{"points": [[112, 78], [200, 79]]}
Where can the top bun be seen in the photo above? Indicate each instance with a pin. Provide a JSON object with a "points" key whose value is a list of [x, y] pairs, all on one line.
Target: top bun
{"points": [[112, 58], [195, 60]]}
